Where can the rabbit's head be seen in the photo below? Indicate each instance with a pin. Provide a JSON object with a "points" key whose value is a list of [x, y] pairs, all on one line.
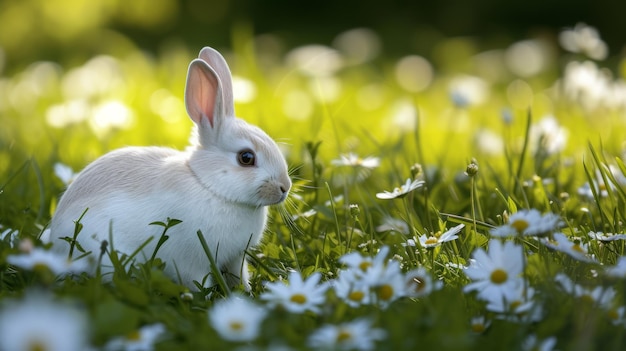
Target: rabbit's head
{"points": [[233, 159]]}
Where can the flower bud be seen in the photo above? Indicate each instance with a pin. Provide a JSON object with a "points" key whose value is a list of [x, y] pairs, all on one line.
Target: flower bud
{"points": [[472, 168]]}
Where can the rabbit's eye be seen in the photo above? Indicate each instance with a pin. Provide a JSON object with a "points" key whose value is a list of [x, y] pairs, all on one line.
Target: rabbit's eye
{"points": [[246, 158]]}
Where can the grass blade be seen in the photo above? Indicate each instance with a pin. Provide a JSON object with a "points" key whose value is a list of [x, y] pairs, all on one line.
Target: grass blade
{"points": [[217, 274]]}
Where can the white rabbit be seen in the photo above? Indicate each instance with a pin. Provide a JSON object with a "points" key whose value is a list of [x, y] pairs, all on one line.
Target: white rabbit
{"points": [[221, 185]]}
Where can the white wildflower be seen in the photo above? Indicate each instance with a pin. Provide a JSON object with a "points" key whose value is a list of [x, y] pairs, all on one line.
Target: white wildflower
{"points": [[355, 335], [299, 295], [39, 323], [584, 39], [402, 191], [497, 272], [237, 318], [39, 257], [141, 340], [438, 238]]}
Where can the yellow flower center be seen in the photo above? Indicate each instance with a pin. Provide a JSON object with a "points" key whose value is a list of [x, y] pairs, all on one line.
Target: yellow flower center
{"points": [[587, 299], [235, 325], [298, 298], [385, 292], [478, 328], [365, 265], [613, 315], [431, 241], [499, 276], [520, 225], [36, 345], [577, 248], [40, 267], [343, 335], [356, 296], [515, 304], [133, 336]]}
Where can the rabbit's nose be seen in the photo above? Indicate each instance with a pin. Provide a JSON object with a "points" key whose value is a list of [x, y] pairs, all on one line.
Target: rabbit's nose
{"points": [[284, 193]]}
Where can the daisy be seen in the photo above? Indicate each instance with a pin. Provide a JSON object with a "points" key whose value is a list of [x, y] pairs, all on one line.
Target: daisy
{"points": [[355, 335], [402, 191], [351, 168], [361, 263], [39, 258], [532, 343], [140, 340], [409, 243], [606, 236], [351, 289], [387, 283], [617, 316], [584, 39], [601, 188], [575, 249], [420, 283], [305, 214], [334, 201], [527, 222], [391, 224], [8, 235], [597, 295], [353, 160], [237, 318], [438, 238], [619, 270], [371, 280], [547, 136], [64, 173], [565, 282], [299, 296], [496, 273], [516, 305], [38, 323], [586, 192], [479, 324], [465, 91]]}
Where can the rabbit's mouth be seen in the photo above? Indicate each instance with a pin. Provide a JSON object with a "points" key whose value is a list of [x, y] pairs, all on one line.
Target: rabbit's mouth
{"points": [[273, 194], [279, 200], [283, 197]]}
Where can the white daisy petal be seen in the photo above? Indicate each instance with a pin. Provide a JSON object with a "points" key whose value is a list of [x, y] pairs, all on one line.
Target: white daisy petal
{"points": [[237, 318], [39, 323]]}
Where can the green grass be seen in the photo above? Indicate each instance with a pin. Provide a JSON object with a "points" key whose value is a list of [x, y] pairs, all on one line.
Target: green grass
{"points": [[333, 209]]}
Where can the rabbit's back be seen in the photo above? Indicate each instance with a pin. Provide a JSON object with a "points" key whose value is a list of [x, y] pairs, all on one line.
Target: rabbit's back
{"points": [[130, 169], [119, 189]]}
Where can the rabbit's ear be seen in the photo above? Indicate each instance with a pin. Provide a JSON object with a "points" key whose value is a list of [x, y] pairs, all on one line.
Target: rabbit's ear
{"points": [[203, 94], [216, 61]]}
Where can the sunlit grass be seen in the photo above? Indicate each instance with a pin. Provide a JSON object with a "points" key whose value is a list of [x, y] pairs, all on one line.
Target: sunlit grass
{"points": [[490, 147]]}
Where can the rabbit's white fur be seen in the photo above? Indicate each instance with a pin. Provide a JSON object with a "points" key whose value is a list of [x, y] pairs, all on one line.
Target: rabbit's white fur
{"points": [[204, 186]]}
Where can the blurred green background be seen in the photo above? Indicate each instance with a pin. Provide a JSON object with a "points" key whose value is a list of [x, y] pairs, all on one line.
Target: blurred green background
{"points": [[68, 31], [79, 78]]}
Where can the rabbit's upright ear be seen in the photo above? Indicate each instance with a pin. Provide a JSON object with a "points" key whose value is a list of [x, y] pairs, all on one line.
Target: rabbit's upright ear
{"points": [[203, 94], [216, 61]]}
